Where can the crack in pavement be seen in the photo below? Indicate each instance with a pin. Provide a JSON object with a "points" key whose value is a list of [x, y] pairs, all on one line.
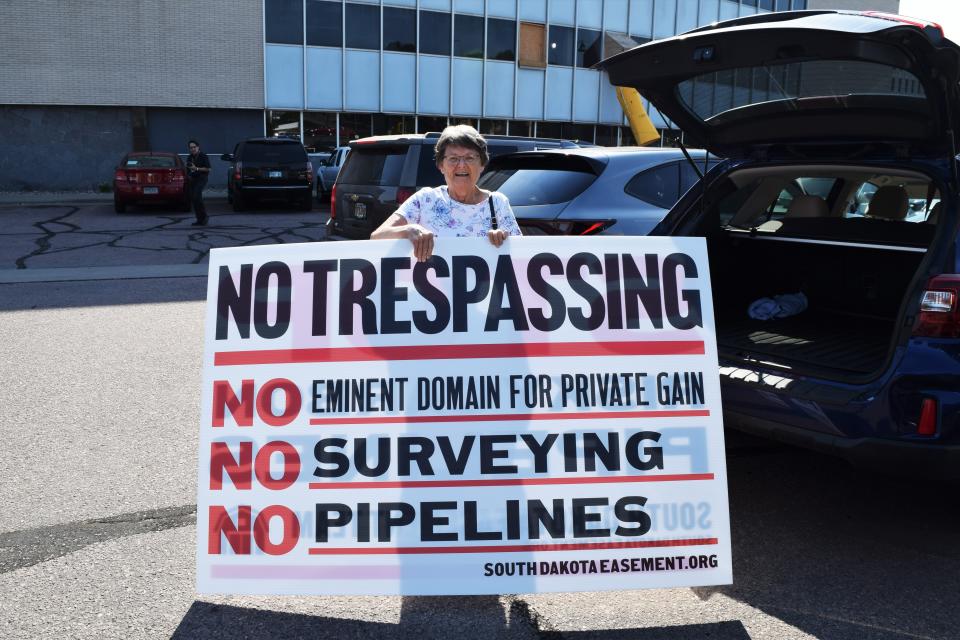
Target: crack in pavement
{"points": [[43, 242], [25, 548], [197, 242]]}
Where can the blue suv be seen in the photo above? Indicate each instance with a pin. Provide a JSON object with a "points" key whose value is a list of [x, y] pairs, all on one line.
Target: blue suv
{"points": [[831, 224]]}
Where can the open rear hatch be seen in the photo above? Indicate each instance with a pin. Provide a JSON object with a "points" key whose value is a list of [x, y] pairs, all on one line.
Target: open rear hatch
{"points": [[813, 77], [806, 105]]}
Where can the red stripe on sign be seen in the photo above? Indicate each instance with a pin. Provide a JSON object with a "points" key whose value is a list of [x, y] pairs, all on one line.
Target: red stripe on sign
{"points": [[517, 548], [462, 351], [505, 417], [509, 482]]}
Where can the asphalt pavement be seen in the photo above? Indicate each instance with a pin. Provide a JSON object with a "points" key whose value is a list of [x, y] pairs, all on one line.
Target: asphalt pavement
{"points": [[99, 423]]}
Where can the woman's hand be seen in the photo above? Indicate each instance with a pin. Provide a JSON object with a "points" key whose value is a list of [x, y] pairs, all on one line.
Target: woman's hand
{"points": [[422, 240], [497, 236]]}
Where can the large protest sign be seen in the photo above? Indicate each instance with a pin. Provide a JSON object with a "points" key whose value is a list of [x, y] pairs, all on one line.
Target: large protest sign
{"points": [[540, 417]]}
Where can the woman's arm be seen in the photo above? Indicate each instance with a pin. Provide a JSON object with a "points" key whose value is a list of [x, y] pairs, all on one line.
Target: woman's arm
{"points": [[396, 226]]}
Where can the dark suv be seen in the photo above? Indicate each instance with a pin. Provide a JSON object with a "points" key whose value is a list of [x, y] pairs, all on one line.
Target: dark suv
{"points": [[269, 168], [383, 171], [841, 184]]}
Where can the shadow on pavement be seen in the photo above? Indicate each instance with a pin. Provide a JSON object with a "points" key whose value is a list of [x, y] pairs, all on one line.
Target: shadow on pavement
{"points": [[839, 552], [460, 618], [93, 293]]}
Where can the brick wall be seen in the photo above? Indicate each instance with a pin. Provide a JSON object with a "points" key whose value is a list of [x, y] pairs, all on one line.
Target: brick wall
{"points": [[179, 53]]}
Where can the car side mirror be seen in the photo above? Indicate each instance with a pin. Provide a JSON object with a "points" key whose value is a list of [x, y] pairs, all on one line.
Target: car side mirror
{"points": [[227, 156]]}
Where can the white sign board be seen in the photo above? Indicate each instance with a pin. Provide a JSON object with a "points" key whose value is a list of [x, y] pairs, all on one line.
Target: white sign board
{"points": [[540, 417]]}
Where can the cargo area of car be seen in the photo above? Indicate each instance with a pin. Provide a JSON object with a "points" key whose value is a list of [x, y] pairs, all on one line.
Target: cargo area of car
{"points": [[854, 272]]}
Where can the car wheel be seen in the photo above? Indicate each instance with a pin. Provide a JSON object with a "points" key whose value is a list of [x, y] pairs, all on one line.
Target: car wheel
{"points": [[119, 207], [239, 204]]}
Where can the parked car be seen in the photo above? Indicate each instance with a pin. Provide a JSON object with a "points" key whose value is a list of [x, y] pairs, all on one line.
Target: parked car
{"points": [[150, 177], [609, 190], [327, 173], [383, 171], [269, 169], [835, 101]]}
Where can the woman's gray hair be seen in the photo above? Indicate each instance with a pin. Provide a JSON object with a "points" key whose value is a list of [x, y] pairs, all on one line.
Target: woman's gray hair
{"points": [[461, 135]]}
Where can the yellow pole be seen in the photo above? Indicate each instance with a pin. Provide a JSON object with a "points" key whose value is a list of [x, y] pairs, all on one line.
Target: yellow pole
{"points": [[643, 130]]}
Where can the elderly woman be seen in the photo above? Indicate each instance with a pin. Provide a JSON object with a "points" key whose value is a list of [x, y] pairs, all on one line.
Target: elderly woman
{"points": [[458, 209]]}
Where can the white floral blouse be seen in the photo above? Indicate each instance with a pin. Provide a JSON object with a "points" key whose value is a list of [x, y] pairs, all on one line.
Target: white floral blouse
{"points": [[433, 208]]}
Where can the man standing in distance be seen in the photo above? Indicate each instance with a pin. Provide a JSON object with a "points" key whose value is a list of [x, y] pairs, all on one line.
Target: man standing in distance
{"points": [[198, 170]]}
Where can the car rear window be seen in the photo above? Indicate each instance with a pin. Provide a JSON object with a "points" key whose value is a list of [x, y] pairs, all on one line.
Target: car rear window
{"points": [[151, 162], [380, 166], [794, 85], [274, 152], [536, 179], [427, 173]]}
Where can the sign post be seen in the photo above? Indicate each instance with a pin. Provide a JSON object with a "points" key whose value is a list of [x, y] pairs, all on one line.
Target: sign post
{"points": [[542, 417]]}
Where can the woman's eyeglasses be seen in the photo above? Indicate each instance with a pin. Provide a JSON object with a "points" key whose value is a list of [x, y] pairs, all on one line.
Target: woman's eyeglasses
{"points": [[452, 161]]}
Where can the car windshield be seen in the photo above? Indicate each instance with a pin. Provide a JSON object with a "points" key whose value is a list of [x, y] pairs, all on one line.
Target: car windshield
{"points": [[380, 166], [274, 152], [151, 162], [816, 84]]}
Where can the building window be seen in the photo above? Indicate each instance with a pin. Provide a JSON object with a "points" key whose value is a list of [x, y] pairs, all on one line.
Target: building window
{"points": [[354, 126], [390, 125], [606, 136], [766, 4], [284, 21], [435, 33], [399, 29], [581, 132], [523, 128], [494, 127], [588, 47], [320, 131], [549, 130], [799, 5], [561, 46], [501, 39], [363, 26], [626, 137], [749, 3], [615, 42], [426, 124], [283, 124], [467, 121], [324, 23], [783, 5], [468, 36], [533, 45]]}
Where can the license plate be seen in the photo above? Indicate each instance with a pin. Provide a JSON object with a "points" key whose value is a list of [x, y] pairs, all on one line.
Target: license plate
{"points": [[150, 191], [359, 210], [275, 174]]}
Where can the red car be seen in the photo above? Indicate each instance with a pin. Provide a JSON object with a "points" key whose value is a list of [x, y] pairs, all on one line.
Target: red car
{"points": [[150, 177]]}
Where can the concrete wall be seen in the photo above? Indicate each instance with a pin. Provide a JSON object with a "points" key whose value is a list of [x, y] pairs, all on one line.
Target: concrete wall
{"points": [[54, 148], [132, 52], [61, 148]]}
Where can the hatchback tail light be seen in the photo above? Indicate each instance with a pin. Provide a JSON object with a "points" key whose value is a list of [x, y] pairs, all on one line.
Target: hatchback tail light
{"points": [[120, 175], [564, 227], [333, 201], [927, 425], [238, 171], [309, 173], [403, 193], [939, 314], [177, 177]]}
